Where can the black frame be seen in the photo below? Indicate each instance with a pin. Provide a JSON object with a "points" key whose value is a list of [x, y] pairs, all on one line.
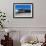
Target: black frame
{"points": [[22, 3]]}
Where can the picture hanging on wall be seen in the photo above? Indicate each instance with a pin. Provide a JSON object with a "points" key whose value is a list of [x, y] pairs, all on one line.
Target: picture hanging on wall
{"points": [[22, 10]]}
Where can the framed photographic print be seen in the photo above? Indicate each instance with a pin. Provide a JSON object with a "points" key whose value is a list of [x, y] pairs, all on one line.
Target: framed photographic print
{"points": [[22, 10]]}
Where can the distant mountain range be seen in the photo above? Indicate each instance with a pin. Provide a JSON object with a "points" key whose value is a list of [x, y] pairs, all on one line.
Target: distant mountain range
{"points": [[23, 11]]}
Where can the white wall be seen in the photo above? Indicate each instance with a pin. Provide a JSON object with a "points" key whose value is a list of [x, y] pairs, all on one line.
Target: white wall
{"points": [[39, 9], [17, 35], [25, 25]]}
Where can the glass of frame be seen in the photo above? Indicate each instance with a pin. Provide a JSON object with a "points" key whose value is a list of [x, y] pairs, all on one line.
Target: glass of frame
{"points": [[22, 10]]}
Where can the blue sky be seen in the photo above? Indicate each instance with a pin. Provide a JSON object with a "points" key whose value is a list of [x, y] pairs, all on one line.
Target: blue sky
{"points": [[23, 6]]}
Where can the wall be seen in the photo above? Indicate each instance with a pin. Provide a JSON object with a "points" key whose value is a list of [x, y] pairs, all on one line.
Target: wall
{"points": [[16, 35], [39, 13], [25, 25]]}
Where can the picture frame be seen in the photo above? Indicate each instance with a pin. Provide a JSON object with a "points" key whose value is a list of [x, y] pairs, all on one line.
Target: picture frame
{"points": [[22, 10]]}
